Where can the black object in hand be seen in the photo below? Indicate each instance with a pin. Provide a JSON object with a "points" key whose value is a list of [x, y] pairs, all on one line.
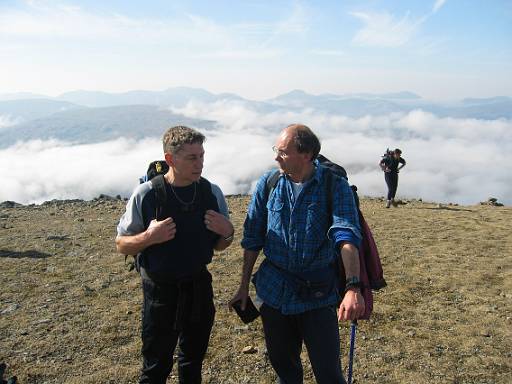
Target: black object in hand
{"points": [[249, 314]]}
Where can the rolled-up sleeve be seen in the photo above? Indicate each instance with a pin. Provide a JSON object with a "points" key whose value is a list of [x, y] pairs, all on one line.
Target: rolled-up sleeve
{"points": [[345, 218], [340, 235]]}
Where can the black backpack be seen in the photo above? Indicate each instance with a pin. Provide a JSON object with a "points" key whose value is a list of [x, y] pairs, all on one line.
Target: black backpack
{"points": [[155, 168], [386, 160]]}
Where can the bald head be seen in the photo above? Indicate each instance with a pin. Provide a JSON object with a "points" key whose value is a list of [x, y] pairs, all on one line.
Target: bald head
{"points": [[303, 138]]}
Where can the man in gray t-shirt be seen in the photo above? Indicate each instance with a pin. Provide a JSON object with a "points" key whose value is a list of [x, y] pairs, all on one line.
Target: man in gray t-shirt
{"points": [[174, 242]]}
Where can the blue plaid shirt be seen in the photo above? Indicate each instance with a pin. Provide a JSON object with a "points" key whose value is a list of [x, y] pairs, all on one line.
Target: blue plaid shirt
{"points": [[295, 235]]}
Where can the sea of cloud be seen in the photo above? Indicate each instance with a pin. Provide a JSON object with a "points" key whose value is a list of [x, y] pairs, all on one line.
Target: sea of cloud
{"points": [[8, 121], [448, 159]]}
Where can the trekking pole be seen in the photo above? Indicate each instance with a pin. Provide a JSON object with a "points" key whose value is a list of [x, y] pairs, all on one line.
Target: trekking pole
{"points": [[353, 327]]}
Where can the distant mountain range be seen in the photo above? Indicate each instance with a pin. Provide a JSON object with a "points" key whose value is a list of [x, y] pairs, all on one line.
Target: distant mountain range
{"points": [[93, 125], [31, 109], [178, 96], [86, 117]]}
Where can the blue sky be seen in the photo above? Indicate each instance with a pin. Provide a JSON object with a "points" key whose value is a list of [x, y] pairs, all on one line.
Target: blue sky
{"points": [[439, 49]]}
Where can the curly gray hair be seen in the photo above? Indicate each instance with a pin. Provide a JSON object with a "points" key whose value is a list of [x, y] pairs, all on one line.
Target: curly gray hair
{"points": [[175, 137]]}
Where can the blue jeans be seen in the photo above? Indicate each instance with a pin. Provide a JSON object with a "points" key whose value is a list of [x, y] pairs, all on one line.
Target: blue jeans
{"points": [[392, 183], [318, 329], [169, 316]]}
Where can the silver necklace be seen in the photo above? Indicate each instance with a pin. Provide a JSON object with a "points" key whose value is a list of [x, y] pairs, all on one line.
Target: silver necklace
{"points": [[184, 202]]}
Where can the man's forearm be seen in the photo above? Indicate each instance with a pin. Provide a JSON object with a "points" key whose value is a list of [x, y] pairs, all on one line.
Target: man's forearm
{"points": [[350, 258], [222, 243], [132, 245], [249, 261], [352, 306]]}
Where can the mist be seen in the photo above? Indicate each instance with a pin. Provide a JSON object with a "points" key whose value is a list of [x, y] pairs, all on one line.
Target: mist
{"points": [[8, 121], [462, 161]]}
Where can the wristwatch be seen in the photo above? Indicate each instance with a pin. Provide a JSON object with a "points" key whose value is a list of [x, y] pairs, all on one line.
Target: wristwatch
{"points": [[230, 237], [352, 282]]}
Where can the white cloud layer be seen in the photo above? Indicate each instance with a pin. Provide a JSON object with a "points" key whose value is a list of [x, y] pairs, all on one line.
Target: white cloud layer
{"points": [[7, 121], [448, 160]]}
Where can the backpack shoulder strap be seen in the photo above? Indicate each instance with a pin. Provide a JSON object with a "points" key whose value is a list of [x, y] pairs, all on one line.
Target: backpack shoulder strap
{"points": [[329, 191], [207, 197], [356, 197], [158, 183], [204, 185], [272, 182]]}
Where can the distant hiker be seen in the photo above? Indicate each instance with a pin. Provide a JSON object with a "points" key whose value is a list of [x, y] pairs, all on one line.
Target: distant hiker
{"points": [[174, 241], [391, 164], [301, 240]]}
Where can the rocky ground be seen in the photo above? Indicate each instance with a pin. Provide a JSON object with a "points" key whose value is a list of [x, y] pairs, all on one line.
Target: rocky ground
{"points": [[69, 308]]}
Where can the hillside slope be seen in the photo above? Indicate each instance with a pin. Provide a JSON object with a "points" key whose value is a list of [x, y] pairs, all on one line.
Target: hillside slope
{"points": [[69, 309]]}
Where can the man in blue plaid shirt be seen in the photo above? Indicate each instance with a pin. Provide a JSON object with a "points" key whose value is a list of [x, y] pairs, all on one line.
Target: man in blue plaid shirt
{"points": [[302, 236]]}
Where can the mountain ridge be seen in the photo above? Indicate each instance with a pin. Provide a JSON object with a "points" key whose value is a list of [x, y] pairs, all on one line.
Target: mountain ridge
{"points": [[74, 116]]}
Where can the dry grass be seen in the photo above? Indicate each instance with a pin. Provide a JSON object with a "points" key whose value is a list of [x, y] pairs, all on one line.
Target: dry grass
{"points": [[70, 309]]}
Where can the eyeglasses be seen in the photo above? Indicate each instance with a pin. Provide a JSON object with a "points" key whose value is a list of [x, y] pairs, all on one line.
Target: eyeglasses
{"points": [[280, 153]]}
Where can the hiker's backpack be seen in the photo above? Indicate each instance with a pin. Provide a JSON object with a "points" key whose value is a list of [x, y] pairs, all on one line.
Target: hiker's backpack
{"points": [[386, 160], [155, 168], [370, 267]]}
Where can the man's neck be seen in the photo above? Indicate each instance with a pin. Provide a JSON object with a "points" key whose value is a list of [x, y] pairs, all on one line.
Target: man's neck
{"points": [[171, 178], [305, 175]]}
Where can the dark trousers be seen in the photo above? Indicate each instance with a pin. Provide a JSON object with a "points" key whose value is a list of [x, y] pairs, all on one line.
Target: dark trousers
{"points": [[163, 305], [318, 329], [392, 183]]}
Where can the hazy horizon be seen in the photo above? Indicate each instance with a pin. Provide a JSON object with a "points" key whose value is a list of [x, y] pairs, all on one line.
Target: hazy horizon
{"points": [[26, 95]]}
